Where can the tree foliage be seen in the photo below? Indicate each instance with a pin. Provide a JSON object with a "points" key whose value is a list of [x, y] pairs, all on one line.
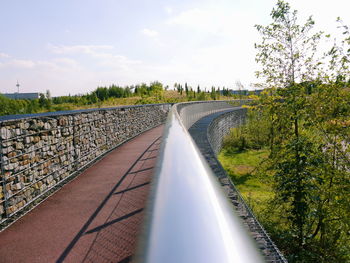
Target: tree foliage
{"points": [[287, 51], [307, 107]]}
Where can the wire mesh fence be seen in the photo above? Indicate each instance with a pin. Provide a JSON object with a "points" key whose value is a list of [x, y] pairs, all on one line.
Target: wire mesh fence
{"points": [[39, 152]]}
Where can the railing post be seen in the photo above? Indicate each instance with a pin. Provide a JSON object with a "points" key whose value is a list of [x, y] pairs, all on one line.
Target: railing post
{"points": [[106, 127], [76, 157], [3, 178]]}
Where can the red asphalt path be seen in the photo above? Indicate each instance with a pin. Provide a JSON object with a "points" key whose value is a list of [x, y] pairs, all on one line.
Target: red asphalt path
{"points": [[94, 218]]}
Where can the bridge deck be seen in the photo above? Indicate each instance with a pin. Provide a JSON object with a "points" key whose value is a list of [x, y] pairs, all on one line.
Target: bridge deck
{"points": [[94, 218]]}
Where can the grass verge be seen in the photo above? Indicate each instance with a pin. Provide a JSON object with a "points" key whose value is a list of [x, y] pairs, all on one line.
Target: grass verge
{"points": [[242, 167]]}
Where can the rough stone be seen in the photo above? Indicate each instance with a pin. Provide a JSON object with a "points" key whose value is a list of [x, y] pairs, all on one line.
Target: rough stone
{"points": [[11, 154], [27, 139], [25, 156], [18, 132], [19, 146], [52, 147], [16, 187], [14, 160], [47, 126], [5, 133]]}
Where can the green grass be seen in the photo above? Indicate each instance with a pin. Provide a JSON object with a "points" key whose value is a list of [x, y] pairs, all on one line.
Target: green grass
{"points": [[242, 167], [256, 188]]}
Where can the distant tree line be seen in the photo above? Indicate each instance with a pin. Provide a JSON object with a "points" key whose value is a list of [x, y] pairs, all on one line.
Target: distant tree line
{"points": [[143, 94]]}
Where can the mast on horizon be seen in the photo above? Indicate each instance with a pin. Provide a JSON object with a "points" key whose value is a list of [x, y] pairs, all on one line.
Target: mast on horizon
{"points": [[17, 85]]}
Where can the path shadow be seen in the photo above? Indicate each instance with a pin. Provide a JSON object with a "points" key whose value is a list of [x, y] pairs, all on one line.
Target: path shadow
{"points": [[110, 223]]}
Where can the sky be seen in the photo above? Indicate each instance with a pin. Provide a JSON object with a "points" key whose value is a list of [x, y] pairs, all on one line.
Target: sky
{"points": [[74, 46]]}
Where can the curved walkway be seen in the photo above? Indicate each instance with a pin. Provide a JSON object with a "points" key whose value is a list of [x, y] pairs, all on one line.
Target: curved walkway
{"points": [[94, 218], [199, 133]]}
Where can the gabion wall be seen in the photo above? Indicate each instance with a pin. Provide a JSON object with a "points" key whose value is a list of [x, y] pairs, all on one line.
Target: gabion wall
{"points": [[220, 127], [208, 133], [40, 151]]}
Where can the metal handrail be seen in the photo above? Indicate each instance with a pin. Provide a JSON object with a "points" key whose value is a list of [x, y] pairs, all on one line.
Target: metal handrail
{"points": [[188, 218]]}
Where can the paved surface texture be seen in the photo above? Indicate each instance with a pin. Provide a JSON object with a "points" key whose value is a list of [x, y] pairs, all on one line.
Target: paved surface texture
{"points": [[94, 218]]}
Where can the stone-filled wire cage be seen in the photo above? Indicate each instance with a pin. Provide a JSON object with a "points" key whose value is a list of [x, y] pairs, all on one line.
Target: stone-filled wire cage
{"points": [[40, 151]]}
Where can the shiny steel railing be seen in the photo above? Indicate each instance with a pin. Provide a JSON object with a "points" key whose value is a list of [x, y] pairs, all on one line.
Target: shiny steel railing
{"points": [[188, 218]]}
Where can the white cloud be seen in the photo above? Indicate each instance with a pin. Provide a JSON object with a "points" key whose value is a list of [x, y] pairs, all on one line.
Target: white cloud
{"points": [[98, 52], [192, 17], [216, 21], [66, 61], [168, 10], [3, 55], [110, 62], [204, 20], [216, 65], [60, 64], [149, 32], [21, 63], [68, 73], [75, 49], [52, 64], [221, 47]]}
